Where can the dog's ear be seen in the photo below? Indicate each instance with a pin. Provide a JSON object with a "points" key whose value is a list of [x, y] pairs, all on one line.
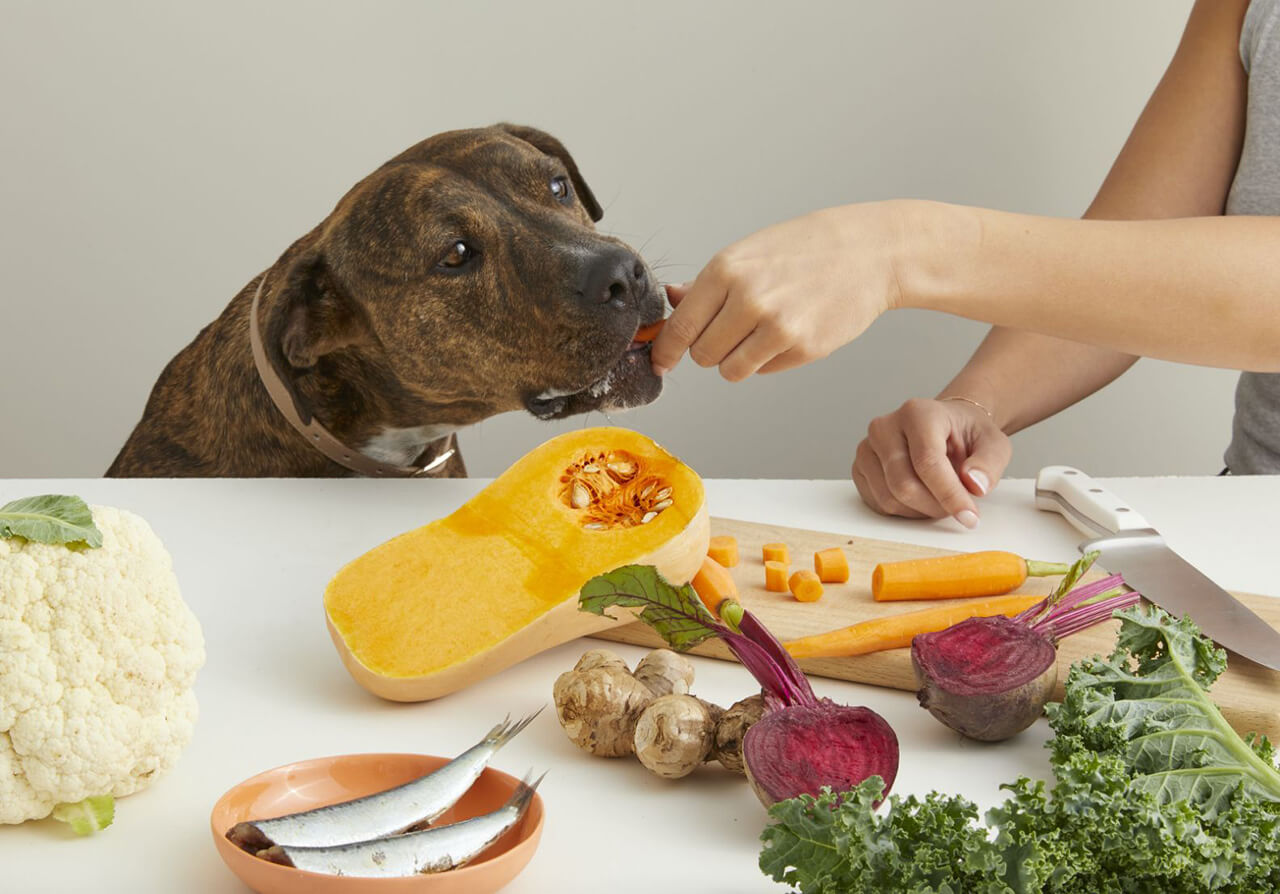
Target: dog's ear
{"points": [[315, 316], [549, 145]]}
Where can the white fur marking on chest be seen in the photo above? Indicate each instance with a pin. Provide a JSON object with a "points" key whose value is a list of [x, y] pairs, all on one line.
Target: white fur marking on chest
{"points": [[401, 446]]}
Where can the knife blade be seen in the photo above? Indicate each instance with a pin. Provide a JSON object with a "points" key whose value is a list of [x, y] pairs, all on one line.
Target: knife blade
{"points": [[1129, 545]]}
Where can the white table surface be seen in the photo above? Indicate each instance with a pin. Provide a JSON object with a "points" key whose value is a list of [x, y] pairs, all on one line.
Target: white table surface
{"points": [[253, 556]]}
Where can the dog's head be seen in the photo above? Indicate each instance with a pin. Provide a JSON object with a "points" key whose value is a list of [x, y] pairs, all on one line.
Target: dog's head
{"points": [[469, 267]]}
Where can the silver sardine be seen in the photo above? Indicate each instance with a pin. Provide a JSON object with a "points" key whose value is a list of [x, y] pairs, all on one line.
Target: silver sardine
{"points": [[432, 850], [404, 807]]}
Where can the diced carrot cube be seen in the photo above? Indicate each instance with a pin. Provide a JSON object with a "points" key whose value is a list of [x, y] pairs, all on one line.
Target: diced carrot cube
{"points": [[776, 552], [831, 565], [775, 576], [724, 549], [805, 586]]}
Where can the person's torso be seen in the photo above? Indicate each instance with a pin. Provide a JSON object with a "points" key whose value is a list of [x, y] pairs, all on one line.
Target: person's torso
{"points": [[1255, 434]]}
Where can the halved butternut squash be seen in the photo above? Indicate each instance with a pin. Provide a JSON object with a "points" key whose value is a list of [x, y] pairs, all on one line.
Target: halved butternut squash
{"points": [[459, 599]]}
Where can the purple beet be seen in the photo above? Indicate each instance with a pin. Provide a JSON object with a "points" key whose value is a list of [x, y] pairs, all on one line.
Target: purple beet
{"points": [[990, 678], [803, 748], [803, 744]]}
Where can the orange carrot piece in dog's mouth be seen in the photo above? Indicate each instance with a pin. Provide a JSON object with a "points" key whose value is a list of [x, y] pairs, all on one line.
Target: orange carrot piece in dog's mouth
{"points": [[646, 334]]}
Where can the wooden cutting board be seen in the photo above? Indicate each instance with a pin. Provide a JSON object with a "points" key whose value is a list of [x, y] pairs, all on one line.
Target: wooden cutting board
{"points": [[1247, 693]]}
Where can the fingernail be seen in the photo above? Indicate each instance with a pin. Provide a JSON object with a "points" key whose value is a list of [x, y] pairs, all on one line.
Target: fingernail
{"points": [[968, 518], [980, 480], [660, 370]]}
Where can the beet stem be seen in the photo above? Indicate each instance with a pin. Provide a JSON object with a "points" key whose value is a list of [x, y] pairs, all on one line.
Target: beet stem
{"points": [[1087, 615], [753, 628], [1057, 603]]}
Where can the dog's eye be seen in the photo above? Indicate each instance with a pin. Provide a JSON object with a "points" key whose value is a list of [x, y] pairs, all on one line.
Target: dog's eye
{"points": [[460, 254], [561, 189]]}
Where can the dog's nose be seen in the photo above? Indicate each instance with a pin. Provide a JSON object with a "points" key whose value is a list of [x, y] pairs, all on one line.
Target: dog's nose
{"points": [[618, 279]]}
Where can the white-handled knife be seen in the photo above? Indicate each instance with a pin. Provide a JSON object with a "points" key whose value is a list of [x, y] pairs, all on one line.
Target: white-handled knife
{"points": [[1131, 547]]}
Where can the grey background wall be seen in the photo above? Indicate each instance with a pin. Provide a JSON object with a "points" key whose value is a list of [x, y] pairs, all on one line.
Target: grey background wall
{"points": [[155, 156]]}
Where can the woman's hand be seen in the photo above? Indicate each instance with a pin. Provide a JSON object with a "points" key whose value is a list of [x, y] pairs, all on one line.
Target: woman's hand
{"points": [[929, 458], [786, 295]]}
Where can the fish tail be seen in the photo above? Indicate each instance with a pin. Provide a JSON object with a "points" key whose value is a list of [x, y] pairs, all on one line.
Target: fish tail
{"points": [[275, 854], [523, 794], [505, 731]]}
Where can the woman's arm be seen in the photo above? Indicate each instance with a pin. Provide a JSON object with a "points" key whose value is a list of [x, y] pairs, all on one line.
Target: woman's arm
{"points": [[1195, 290], [796, 291], [1179, 161]]}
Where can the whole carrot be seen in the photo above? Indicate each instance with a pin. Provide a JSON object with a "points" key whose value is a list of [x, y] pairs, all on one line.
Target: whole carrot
{"points": [[897, 631], [988, 573]]}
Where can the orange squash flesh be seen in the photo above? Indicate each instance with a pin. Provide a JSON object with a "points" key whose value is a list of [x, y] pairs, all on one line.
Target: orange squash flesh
{"points": [[465, 596]]}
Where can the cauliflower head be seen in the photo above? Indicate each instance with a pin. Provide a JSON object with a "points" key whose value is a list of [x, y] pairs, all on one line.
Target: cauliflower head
{"points": [[98, 656]]}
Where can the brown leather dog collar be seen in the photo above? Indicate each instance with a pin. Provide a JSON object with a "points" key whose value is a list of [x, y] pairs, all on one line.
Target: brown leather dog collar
{"points": [[316, 434]]}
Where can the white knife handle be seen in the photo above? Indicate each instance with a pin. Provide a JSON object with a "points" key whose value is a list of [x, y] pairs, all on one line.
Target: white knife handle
{"points": [[1086, 504]]}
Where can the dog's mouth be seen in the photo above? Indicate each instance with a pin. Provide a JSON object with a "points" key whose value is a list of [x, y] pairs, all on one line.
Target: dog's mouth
{"points": [[629, 382]]}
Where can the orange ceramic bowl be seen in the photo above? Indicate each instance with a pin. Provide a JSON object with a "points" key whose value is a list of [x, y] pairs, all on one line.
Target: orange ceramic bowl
{"points": [[327, 780]]}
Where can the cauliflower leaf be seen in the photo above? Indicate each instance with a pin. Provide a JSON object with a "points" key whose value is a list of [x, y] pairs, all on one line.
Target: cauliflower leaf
{"points": [[50, 518]]}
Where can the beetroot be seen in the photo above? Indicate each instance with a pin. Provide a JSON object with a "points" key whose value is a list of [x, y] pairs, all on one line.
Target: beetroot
{"points": [[804, 748], [990, 678], [802, 744]]}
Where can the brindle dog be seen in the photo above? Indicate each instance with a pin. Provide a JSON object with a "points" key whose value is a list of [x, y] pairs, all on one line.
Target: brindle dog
{"points": [[462, 279]]}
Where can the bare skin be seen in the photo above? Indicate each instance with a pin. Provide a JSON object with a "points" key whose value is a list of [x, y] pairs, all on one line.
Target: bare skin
{"points": [[1153, 269]]}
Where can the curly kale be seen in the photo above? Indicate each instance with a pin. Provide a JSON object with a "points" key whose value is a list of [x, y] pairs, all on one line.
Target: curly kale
{"points": [[1152, 791]]}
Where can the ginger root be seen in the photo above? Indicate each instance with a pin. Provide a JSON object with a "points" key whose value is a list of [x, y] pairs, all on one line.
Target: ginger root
{"points": [[611, 711], [674, 735], [733, 725], [598, 703]]}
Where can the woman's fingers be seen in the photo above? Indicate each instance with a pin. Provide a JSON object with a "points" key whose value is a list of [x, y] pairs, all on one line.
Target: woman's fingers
{"points": [[930, 459], [735, 321], [694, 310], [790, 359], [927, 429], [889, 441], [988, 457], [868, 477], [768, 348], [676, 292]]}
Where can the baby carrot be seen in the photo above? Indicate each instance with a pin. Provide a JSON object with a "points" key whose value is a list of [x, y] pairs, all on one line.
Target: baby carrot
{"points": [[963, 574], [897, 631]]}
